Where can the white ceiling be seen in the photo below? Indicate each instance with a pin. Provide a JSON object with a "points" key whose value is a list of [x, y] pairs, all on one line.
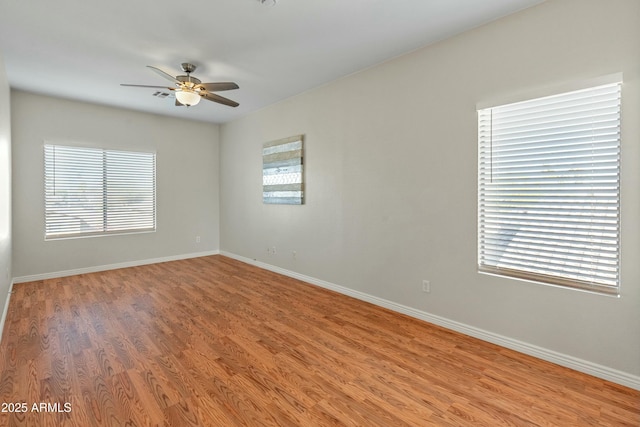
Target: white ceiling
{"points": [[83, 49]]}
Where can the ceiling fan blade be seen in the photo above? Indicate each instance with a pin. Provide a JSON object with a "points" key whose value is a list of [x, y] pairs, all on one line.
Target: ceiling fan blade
{"points": [[217, 87], [155, 87], [179, 104], [219, 99], [163, 74]]}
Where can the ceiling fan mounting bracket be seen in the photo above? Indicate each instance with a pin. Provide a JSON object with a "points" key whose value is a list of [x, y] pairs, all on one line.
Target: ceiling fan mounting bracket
{"points": [[188, 68]]}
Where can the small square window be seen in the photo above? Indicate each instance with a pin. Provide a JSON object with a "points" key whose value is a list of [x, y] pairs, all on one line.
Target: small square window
{"points": [[91, 191]]}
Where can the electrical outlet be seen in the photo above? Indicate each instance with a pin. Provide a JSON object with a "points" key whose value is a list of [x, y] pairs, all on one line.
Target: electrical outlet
{"points": [[273, 250], [294, 254], [426, 286], [197, 239]]}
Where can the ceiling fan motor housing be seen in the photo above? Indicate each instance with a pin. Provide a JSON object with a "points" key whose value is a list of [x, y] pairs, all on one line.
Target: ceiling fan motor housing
{"points": [[187, 79]]}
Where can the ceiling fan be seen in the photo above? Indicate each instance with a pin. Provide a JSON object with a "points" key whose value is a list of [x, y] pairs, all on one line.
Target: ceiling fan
{"points": [[189, 90]]}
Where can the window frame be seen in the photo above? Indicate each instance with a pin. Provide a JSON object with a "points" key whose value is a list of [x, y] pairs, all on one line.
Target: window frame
{"points": [[542, 277], [116, 167]]}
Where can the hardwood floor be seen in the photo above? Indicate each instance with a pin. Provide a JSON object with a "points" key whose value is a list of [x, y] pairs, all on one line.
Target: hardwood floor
{"points": [[215, 342]]}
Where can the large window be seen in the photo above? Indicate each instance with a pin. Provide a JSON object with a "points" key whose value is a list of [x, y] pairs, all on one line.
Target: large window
{"points": [[91, 191], [548, 197]]}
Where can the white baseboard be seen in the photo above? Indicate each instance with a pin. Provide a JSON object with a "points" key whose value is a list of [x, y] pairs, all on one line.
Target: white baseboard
{"points": [[97, 268], [6, 309], [600, 371]]}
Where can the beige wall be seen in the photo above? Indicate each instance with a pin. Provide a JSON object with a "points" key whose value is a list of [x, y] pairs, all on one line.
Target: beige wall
{"points": [[391, 179], [187, 183], [5, 191]]}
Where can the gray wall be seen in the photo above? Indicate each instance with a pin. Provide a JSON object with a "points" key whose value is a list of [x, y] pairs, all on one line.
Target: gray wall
{"points": [[391, 179], [5, 190], [187, 183]]}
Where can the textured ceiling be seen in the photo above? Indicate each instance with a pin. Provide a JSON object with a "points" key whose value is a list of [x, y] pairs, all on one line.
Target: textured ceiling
{"points": [[84, 49]]}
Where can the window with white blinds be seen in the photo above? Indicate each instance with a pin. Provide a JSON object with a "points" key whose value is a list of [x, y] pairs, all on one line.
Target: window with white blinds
{"points": [[549, 189], [91, 191]]}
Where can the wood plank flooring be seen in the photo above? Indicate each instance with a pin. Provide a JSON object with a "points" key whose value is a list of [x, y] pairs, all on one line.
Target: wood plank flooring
{"points": [[215, 342]]}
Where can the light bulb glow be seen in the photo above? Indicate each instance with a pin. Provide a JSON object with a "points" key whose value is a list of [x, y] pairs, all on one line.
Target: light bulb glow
{"points": [[187, 97]]}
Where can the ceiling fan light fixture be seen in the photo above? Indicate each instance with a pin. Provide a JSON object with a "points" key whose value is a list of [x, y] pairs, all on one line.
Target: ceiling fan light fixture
{"points": [[189, 90], [187, 97]]}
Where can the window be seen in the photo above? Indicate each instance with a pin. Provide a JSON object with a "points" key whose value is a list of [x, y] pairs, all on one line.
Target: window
{"points": [[549, 189], [91, 191]]}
